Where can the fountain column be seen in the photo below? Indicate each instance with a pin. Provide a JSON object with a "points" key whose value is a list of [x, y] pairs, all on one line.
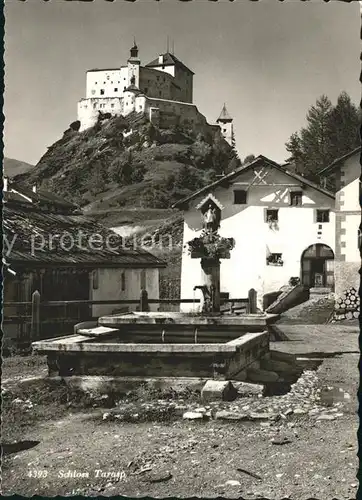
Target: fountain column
{"points": [[210, 248], [210, 278]]}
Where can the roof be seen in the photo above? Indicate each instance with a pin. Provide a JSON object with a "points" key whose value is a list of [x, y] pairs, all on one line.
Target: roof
{"points": [[224, 115], [168, 59], [36, 238], [337, 163], [39, 197], [238, 171]]}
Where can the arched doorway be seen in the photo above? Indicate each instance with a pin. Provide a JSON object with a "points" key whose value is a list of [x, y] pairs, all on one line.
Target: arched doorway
{"points": [[318, 266]]}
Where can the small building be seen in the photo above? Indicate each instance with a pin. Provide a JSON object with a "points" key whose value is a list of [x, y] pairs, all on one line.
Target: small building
{"points": [[344, 174], [52, 247], [283, 226]]}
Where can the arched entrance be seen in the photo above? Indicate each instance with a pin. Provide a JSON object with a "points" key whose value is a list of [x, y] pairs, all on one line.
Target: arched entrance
{"points": [[318, 266]]}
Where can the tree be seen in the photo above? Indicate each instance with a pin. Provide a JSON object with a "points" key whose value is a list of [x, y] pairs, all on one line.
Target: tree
{"points": [[248, 159], [330, 133], [344, 124]]}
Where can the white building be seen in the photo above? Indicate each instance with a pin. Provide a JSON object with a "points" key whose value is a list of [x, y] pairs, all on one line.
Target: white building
{"points": [[345, 174], [162, 90], [283, 226]]}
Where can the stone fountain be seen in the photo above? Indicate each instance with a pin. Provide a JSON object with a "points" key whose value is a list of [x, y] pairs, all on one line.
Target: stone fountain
{"points": [[135, 347]]}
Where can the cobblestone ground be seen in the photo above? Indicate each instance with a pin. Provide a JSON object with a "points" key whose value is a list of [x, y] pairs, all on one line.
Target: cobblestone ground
{"points": [[298, 445]]}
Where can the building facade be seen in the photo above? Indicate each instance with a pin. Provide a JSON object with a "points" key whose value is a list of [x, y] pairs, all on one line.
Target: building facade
{"points": [[162, 90], [52, 247], [283, 226], [345, 174]]}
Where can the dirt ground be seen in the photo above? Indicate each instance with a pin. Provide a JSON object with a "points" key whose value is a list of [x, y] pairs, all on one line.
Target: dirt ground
{"points": [[81, 453]]}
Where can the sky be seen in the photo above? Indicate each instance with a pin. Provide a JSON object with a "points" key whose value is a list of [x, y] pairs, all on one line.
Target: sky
{"points": [[268, 61]]}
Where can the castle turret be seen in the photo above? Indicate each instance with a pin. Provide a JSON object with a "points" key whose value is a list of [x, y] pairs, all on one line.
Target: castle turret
{"points": [[226, 124], [134, 64]]}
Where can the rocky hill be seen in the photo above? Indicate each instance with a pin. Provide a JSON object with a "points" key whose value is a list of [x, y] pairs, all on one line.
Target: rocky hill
{"points": [[127, 173], [128, 162]]}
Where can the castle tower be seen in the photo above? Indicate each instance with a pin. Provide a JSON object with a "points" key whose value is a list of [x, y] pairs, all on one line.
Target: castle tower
{"points": [[133, 64], [226, 124]]}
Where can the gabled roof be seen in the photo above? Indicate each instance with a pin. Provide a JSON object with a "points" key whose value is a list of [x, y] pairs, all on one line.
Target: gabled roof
{"points": [[168, 59], [259, 160], [224, 115], [338, 162], [40, 197], [41, 238]]}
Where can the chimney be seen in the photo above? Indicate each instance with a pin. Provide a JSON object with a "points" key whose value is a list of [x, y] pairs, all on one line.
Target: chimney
{"points": [[160, 59], [34, 188], [5, 184]]}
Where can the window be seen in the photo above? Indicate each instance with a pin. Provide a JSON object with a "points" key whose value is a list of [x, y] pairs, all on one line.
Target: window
{"points": [[102, 91], [296, 198], [322, 215], [124, 88], [225, 130], [94, 105], [272, 215], [274, 259], [240, 197], [112, 105], [146, 89], [116, 89], [123, 281]]}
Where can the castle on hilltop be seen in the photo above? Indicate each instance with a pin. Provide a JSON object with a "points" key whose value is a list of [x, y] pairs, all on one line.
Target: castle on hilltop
{"points": [[162, 90]]}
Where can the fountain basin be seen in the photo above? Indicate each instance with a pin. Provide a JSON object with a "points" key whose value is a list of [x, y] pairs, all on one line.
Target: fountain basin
{"points": [[117, 356], [241, 323]]}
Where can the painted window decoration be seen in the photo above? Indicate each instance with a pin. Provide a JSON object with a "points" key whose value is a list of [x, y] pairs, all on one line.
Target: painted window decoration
{"points": [[322, 216], [274, 259], [240, 197], [296, 198]]}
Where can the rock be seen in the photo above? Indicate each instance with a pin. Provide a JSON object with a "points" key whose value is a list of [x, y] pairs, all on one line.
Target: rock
{"points": [[263, 416], [193, 415], [248, 389], [279, 440], [228, 415], [216, 390], [299, 411], [326, 417], [158, 477], [106, 416], [232, 482]]}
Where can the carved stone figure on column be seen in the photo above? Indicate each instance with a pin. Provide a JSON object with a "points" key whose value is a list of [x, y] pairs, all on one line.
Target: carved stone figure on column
{"points": [[210, 219]]}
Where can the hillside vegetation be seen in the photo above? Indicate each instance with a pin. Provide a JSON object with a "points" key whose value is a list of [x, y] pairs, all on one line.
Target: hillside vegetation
{"points": [[128, 162], [12, 167], [127, 172]]}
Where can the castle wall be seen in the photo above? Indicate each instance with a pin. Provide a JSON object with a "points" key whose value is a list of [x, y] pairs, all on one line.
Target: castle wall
{"points": [[157, 84], [182, 79], [107, 83], [88, 109]]}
